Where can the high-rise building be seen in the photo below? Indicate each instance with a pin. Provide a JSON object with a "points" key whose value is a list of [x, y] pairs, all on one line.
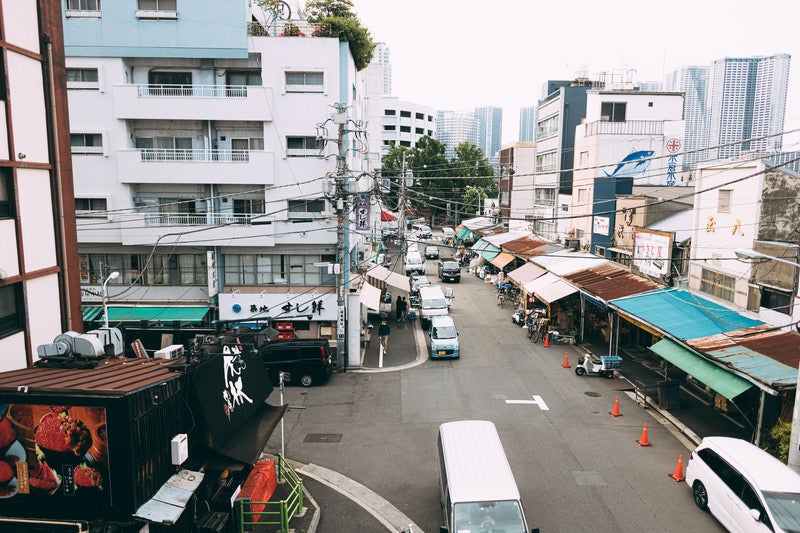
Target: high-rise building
{"points": [[381, 60], [39, 288], [527, 123], [693, 82], [455, 127], [489, 121], [747, 102]]}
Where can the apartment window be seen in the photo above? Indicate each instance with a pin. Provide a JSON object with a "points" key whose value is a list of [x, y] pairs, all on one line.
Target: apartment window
{"points": [[600, 251], [390, 112], [304, 147], [420, 116], [405, 114], [389, 127], [430, 133], [306, 208], [90, 207], [405, 143], [547, 126], [717, 284], [166, 269], [82, 78], [776, 300], [419, 131], [305, 82], [583, 196], [238, 80], [169, 83], [165, 148], [405, 129], [546, 162], [157, 9], [430, 118], [544, 196], [724, 200], [11, 309], [612, 111], [86, 143], [584, 159], [83, 8], [6, 193], [245, 206]]}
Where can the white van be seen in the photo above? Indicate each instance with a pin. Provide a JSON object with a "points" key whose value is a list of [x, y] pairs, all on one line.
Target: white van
{"points": [[743, 486], [432, 302], [477, 488], [414, 264]]}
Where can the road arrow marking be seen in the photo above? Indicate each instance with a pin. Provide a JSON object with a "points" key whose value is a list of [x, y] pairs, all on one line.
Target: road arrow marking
{"points": [[537, 400]]}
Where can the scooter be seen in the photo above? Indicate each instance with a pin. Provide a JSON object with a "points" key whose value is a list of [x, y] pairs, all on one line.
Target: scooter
{"points": [[603, 366], [518, 317]]}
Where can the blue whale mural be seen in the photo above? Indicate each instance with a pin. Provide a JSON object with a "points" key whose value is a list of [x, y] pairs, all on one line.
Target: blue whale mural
{"points": [[633, 164]]}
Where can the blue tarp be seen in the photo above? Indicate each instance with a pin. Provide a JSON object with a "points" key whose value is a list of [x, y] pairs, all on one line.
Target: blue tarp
{"points": [[682, 314]]}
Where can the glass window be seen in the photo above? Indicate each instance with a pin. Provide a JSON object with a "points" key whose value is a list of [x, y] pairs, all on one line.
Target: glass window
{"points": [[612, 111], [7, 204], [419, 131], [86, 143], [158, 5], [82, 78], [305, 82], [405, 114], [717, 284], [546, 162], [390, 112], [724, 200], [405, 129], [389, 127], [83, 5], [304, 147], [776, 300], [11, 309], [88, 207], [243, 77], [307, 206], [420, 116]]}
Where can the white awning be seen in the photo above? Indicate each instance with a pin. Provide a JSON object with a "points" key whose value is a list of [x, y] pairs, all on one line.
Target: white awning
{"points": [[555, 291], [370, 296], [542, 281], [382, 274]]}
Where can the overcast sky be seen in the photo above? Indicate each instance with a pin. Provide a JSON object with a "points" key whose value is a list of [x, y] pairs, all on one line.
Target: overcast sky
{"points": [[461, 54]]}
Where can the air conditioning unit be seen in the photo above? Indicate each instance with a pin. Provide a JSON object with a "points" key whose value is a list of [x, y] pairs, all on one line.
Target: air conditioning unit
{"points": [[572, 244], [170, 352]]}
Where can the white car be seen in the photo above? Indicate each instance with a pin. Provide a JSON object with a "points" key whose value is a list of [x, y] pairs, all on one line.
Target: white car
{"points": [[743, 486]]}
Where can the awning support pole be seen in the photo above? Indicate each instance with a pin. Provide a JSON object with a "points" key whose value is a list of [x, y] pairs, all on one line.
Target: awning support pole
{"points": [[759, 423]]}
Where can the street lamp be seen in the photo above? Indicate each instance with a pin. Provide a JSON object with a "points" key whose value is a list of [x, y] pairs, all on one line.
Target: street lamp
{"points": [[113, 275], [750, 255]]}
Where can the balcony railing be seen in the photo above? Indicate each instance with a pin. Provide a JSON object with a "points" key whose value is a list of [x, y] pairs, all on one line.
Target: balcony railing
{"points": [[197, 91], [235, 156], [198, 219], [630, 127]]}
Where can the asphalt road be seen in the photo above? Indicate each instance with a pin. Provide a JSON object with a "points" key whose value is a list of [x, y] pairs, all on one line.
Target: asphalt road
{"points": [[577, 467]]}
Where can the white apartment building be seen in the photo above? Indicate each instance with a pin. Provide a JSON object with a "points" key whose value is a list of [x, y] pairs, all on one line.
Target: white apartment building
{"points": [[520, 196], [203, 156], [742, 206], [628, 138], [39, 289]]}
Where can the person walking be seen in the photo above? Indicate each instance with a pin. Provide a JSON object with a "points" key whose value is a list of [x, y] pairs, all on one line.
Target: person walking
{"points": [[401, 308], [383, 335]]}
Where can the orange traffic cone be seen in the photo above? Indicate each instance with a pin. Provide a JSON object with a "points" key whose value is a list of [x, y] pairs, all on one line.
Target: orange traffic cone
{"points": [[615, 410], [677, 475], [643, 440], [546, 340], [565, 364]]}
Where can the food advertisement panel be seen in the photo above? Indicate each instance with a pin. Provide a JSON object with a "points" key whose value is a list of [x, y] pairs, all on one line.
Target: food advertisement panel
{"points": [[54, 452]]}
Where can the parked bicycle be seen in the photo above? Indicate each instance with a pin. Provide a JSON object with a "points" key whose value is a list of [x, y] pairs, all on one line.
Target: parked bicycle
{"points": [[537, 329]]}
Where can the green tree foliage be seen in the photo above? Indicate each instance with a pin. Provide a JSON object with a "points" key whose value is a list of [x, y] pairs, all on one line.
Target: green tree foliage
{"points": [[335, 18], [776, 442], [451, 178]]}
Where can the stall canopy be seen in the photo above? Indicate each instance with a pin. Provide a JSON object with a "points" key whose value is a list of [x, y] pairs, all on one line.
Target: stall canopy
{"points": [[386, 216], [156, 314], [382, 274], [722, 381], [527, 272], [502, 259], [549, 288], [486, 249], [370, 296]]}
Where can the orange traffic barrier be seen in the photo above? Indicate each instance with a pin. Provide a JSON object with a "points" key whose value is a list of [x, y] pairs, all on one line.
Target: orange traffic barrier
{"points": [[677, 475], [643, 440], [565, 364], [615, 410], [547, 340]]}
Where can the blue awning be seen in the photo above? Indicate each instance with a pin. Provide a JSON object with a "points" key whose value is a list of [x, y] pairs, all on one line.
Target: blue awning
{"points": [[682, 314]]}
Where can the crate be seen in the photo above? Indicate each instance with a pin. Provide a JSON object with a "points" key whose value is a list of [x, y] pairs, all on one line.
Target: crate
{"points": [[611, 362]]}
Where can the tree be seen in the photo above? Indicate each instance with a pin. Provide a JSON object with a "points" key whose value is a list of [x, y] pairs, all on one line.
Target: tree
{"points": [[470, 162], [335, 18], [473, 199]]}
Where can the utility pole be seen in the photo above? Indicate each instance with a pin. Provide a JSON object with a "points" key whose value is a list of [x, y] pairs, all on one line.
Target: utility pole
{"points": [[401, 208], [342, 240]]}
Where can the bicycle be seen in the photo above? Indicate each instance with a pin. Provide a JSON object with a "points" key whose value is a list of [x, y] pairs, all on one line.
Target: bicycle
{"points": [[501, 298], [537, 330]]}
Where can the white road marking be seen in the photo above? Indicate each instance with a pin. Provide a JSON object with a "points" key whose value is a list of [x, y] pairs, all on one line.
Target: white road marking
{"points": [[537, 400]]}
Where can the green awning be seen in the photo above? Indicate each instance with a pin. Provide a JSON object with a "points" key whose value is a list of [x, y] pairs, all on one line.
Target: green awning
{"points": [[92, 312], [156, 314], [464, 233], [725, 383]]}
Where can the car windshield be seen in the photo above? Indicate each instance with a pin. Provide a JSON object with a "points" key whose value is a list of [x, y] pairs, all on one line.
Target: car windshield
{"points": [[444, 332], [425, 229], [414, 260], [450, 265], [505, 516], [434, 303], [785, 509]]}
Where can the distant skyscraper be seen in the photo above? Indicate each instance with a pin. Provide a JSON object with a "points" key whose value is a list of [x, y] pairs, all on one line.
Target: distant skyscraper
{"points": [[747, 99], [649, 86], [382, 59], [693, 82], [454, 127], [527, 123], [489, 122]]}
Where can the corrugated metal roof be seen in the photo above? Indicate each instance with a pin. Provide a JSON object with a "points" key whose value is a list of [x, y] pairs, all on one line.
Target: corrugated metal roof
{"points": [[524, 246], [526, 273], [110, 378], [499, 238], [490, 230], [682, 314], [782, 348], [609, 281], [575, 264]]}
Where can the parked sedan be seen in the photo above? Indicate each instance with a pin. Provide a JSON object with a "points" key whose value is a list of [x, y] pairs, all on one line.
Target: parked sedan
{"points": [[431, 252]]}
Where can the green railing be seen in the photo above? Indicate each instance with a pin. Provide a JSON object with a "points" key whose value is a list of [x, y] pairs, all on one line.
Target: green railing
{"points": [[275, 513]]}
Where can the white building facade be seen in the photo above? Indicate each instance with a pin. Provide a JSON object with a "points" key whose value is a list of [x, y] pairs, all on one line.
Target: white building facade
{"points": [[693, 82]]}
